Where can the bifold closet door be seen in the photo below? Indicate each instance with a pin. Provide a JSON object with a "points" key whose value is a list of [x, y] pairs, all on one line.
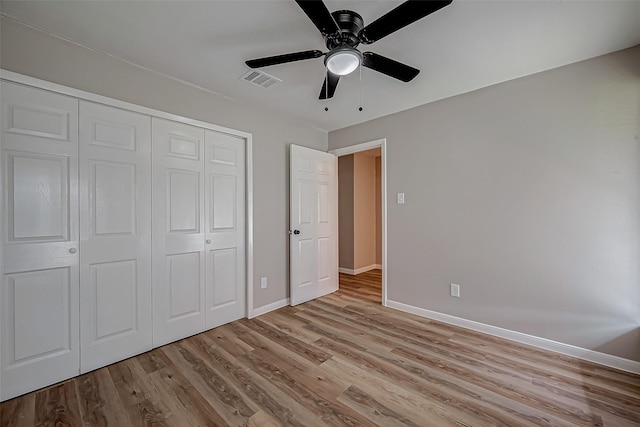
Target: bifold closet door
{"points": [[115, 234], [39, 289], [225, 228], [178, 231]]}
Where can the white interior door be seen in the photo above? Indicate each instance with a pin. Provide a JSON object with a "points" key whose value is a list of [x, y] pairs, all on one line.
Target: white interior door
{"points": [[314, 224], [115, 234], [225, 225], [178, 275], [39, 289]]}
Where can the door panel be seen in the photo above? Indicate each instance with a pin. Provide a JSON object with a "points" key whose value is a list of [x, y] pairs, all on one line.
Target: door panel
{"points": [[314, 215], [114, 290], [183, 273], [39, 120], [225, 228], [112, 193], [115, 234], [223, 202], [38, 197], [324, 258], [39, 237], [223, 268], [116, 133], [305, 202], [306, 259], [37, 297], [184, 146], [178, 249], [183, 201]]}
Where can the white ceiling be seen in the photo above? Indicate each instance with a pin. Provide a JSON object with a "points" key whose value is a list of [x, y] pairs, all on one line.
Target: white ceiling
{"points": [[468, 45]]}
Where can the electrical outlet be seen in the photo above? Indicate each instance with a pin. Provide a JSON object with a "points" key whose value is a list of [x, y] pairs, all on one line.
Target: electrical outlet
{"points": [[263, 283], [455, 290]]}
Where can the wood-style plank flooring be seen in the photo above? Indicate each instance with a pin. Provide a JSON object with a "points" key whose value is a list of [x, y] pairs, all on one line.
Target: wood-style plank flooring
{"points": [[342, 360]]}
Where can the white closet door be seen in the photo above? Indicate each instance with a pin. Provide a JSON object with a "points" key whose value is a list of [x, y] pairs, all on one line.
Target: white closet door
{"points": [[224, 235], [39, 288], [178, 231], [115, 234]]}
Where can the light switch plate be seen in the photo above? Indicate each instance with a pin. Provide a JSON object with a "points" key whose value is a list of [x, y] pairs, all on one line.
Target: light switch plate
{"points": [[401, 198], [455, 290], [263, 283]]}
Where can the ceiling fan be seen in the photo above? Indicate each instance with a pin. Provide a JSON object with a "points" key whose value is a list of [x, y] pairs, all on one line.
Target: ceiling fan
{"points": [[344, 30]]}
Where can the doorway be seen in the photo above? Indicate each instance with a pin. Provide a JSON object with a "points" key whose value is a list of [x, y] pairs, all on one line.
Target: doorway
{"points": [[362, 211]]}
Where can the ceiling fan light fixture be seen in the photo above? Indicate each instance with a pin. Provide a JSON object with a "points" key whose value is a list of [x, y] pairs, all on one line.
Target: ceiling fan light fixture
{"points": [[343, 60]]}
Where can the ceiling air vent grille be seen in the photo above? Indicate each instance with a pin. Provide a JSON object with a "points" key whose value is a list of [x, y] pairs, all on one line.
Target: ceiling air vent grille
{"points": [[260, 78]]}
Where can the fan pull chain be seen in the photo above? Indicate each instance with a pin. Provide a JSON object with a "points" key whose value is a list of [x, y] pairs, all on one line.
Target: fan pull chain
{"points": [[326, 91], [360, 70]]}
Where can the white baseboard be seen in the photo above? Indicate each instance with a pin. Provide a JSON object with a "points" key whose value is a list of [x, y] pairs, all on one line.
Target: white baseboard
{"points": [[269, 307], [558, 347], [359, 270]]}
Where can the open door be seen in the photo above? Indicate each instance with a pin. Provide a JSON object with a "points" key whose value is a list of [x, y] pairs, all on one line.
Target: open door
{"points": [[313, 224]]}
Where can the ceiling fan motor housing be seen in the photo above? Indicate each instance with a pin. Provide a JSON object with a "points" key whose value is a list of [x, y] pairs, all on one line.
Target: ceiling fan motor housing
{"points": [[350, 24]]}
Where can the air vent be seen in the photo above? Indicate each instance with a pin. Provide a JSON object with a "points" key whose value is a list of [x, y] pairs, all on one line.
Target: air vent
{"points": [[260, 78]]}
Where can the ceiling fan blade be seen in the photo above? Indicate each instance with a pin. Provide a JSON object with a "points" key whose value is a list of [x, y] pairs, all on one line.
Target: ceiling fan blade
{"points": [[319, 15], [389, 67], [281, 59], [403, 15], [333, 80]]}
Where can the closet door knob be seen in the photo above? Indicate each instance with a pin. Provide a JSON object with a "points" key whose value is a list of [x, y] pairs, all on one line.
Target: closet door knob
{"points": [[207, 241], [73, 250]]}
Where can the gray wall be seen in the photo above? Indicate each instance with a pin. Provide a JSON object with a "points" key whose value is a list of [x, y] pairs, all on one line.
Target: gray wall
{"points": [[36, 54], [364, 210], [345, 212], [526, 194], [378, 202]]}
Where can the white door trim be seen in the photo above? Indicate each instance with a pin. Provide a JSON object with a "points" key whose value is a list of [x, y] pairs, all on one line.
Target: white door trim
{"points": [[249, 225], [88, 96], [382, 144]]}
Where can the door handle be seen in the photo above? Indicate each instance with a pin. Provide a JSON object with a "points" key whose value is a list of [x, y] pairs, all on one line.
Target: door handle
{"points": [[207, 241], [73, 250], [296, 232]]}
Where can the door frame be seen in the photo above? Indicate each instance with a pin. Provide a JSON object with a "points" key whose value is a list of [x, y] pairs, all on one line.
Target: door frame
{"points": [[382, 144], [11, 76]]}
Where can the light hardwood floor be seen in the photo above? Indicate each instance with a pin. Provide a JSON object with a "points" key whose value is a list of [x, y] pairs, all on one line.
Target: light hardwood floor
{"points": [[342, 360]]}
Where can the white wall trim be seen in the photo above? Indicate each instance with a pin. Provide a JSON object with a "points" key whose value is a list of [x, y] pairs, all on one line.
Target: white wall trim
{"points": [[269, 307], [358, 147], [382, 143], [385, 265], [558, 347], [359, 270], [10, 76]]}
